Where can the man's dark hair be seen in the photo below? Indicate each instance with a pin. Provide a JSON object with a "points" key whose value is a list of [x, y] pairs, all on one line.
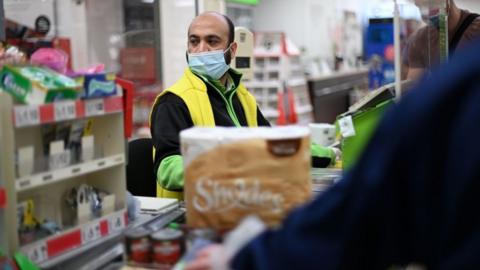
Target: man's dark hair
{"points": [[231, 29]]}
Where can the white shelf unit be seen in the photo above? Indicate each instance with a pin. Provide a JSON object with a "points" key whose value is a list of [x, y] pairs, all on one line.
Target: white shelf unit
{"points": [[266, 93], [276, 64], [21, 126]]}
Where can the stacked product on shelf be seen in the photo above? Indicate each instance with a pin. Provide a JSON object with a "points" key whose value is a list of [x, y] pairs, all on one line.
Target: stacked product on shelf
{"points": [[63, 162], [279, 83]]}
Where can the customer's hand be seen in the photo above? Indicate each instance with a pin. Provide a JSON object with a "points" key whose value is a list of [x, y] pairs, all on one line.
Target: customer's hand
{"points": [[209, 258]]}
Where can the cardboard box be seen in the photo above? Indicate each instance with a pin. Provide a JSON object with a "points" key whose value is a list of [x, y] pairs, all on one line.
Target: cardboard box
{"points": [[36, 85], [98, 85]]}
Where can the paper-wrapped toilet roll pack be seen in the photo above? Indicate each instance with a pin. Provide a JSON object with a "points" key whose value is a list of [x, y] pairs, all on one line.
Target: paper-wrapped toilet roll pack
{"points": [[234, 172]]}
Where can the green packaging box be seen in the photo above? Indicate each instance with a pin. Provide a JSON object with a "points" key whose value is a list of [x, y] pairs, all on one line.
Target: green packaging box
{"points": [[362, 121], [36, 85], [365, 123]]}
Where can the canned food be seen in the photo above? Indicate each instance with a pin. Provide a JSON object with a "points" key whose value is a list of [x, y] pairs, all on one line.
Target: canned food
{"points": [[167, 246], [138, 245]]}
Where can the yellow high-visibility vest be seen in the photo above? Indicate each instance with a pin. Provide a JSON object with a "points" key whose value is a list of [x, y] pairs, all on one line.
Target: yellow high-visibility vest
{"points": [[193, 91]]}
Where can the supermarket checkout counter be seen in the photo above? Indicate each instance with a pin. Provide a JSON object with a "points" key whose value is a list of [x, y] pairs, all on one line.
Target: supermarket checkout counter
{"points": [[330, 94], [110, 253]]}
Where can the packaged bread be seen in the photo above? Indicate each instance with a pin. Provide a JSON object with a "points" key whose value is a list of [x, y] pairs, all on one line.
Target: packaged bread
{"points": [[231, 173]]}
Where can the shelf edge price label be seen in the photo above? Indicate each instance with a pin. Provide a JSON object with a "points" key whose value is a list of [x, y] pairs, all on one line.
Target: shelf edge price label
{"points": [[37, 253], [91, 233], [27, 116], [116, 223], [65, 110], [94, 107]]}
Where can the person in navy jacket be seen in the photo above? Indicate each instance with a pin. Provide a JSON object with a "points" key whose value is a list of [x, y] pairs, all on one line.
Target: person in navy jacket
{"points": [[413, 197]]}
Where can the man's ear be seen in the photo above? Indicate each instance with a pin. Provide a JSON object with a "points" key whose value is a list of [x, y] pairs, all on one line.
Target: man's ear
{"points": [[186, 56], [233, 49]]}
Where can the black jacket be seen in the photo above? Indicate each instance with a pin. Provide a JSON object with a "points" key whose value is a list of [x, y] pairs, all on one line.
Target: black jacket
{"points": [[170, 116]]}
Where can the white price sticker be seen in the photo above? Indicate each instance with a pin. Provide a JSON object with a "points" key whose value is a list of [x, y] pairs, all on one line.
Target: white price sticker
{"points": [[65, 110], [94, 107], [27, 116], [346, 126], [37, 253], [91, 233], [59, 160], [116, 223]]}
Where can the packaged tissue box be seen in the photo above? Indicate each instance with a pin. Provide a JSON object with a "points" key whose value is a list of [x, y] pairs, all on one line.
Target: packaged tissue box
{"points": [[37, 85], [98, 85]]}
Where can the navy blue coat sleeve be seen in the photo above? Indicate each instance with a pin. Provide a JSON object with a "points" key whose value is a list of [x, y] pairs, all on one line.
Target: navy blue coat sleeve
{"points": [[413, 196]]}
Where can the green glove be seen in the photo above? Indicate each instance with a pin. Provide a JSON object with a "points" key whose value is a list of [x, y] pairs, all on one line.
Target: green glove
{"points": [[322, 157], [170, 173]]}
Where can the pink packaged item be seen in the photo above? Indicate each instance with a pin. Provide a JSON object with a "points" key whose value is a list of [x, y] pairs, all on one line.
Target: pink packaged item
{"points": [[51, 58]]}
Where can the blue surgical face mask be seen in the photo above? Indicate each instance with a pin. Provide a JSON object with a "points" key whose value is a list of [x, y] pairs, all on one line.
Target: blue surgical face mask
{"points": [[211, 64]]}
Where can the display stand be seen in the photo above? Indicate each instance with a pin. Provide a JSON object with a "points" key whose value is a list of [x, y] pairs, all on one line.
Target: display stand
{"points": [[277, 68], [101, 166]]}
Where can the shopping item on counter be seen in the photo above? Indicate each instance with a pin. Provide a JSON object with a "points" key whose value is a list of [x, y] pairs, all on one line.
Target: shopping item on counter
{"points": [[36, 85], [234, 172], [322, 133], [138, 246], [167, 247]]}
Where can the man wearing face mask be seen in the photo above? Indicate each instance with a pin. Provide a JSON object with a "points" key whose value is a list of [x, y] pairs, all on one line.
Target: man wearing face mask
{"points": [[423, 49], [208, 94]]}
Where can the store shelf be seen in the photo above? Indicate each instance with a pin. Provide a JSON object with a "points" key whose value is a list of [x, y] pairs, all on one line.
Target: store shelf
{"points": [[32, 115], [23, 125], [270, 113], [3, 198], [76, 240], [264, 84], [304, 109], [46, 178], [297, 82]]}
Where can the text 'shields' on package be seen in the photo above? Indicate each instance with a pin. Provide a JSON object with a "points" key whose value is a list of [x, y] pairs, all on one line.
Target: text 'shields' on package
{"points": [[234, 172]]}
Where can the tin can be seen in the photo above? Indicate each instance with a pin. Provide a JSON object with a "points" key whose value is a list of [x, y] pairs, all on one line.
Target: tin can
{"points": [[167, 246], [138, 245]]}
